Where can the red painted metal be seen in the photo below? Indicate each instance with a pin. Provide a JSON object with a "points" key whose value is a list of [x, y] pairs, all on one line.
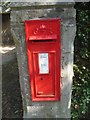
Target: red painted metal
{"points": [[43, 51]]}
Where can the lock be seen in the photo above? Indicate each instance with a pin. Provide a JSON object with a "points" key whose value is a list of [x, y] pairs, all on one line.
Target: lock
{"points": [[41, 78], [43, 52]]}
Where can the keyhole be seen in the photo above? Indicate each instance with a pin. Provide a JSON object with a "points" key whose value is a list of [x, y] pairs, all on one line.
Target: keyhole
{"points": [[41, 78]]}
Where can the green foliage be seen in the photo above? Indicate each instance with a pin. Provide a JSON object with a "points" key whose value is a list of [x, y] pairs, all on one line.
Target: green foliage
{"points": [[81, 91], [81, 84]]}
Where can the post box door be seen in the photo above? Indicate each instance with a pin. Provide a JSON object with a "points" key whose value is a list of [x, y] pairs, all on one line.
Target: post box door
{"points": [[44, 67]]}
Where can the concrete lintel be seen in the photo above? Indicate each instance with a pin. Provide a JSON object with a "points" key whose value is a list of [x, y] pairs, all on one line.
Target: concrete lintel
{"points": [[37, 5]]}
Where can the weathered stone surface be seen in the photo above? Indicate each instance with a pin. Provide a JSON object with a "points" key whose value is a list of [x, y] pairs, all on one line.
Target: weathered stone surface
{"points": [[20, 16], [60, 109], [21, 3]]}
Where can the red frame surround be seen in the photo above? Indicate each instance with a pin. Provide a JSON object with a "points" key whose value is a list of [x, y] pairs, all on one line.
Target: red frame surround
{"points": [[43, 39]]}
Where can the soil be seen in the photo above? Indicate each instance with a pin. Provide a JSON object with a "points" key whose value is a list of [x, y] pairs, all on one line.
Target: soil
{"points": [[11, 95]]}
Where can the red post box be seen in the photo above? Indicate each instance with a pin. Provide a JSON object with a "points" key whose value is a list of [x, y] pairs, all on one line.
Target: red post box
{"points": [[43, 51]]}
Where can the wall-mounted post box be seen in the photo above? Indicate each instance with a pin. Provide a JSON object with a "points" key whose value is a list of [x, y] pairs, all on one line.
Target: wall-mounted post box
{"points": [[43, 51]]}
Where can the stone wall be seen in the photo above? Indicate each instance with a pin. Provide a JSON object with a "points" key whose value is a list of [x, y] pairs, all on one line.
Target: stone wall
{"points": [[67, 14]]}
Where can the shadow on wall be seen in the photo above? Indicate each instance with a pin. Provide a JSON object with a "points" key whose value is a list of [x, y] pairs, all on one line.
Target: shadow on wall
{"points": [[11, 94]]}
